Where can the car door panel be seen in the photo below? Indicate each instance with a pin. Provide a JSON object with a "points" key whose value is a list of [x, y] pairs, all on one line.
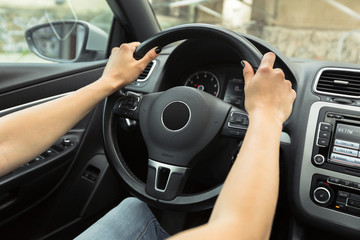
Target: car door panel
{"points": [[31, 82], [58, 190]]}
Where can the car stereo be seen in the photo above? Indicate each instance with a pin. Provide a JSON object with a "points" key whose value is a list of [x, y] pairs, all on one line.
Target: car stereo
{"points": [[337, 148], [338, 143]]}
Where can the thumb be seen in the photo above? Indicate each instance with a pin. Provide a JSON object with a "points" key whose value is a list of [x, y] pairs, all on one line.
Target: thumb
{"points": [[248, 72]]}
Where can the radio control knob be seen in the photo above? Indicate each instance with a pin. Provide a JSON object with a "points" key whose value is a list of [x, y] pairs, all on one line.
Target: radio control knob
{"points": [[322, 195], [319, 159]]}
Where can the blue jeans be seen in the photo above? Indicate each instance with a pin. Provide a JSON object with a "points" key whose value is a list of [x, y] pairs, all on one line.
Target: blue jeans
{"points": [[131, 219]]}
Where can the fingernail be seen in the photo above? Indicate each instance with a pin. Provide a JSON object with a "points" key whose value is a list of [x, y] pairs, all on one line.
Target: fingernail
{"points": [[242, 64], [158, 50]]}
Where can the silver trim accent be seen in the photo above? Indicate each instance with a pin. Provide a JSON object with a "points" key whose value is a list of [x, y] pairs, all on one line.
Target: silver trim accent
{"points": [[172, 168], [30, 104], [342, 185], [340, 82], [333, 94], [325, 201], [151, 70], [237, 126], [162, 114], [308, 170]]}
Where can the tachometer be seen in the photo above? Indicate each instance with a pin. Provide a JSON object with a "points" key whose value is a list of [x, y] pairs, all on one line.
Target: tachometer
{"points": [[204, 81]]}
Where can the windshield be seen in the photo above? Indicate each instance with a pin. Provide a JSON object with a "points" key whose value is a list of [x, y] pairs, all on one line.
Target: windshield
{"points": [[320, 29]]}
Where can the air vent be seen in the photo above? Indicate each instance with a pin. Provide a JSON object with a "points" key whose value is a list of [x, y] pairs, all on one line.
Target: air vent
{"points": [[338, 82], [146, 73]]}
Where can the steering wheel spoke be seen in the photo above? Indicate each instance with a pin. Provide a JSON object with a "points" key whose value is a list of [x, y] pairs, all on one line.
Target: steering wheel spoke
{"points": [[165, 181]]}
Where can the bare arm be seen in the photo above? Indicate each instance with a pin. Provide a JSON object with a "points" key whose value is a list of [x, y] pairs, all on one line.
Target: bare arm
{"points": [[28, 133], [246, 205]]}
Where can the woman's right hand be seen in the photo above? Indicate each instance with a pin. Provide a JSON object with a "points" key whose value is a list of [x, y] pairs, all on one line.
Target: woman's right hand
{"points": [[267, 93]]}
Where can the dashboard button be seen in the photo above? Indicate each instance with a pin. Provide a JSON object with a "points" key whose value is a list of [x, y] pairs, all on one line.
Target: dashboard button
{"points": [[323, 142], [355, 196], [325, 127], [322, 195], [319, 159], [341, 200], [343, 194], [345, 151], [346, 183], [339, 158], [333, 180], [324, 134], [353, 203], [348, 144]]}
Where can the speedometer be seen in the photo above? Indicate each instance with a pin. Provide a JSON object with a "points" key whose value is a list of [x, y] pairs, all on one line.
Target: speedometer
{"points": [[204, 81]]}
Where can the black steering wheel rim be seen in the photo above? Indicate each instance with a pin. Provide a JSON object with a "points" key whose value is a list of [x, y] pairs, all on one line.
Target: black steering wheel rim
{"points": [[202, 31], [197, 201]]}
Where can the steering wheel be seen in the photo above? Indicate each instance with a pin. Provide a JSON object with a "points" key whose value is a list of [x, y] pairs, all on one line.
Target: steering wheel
{"points": [[176, 124]]}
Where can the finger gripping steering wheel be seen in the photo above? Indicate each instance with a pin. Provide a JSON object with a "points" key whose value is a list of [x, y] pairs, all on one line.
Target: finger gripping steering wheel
{"points": [[176, 124]]}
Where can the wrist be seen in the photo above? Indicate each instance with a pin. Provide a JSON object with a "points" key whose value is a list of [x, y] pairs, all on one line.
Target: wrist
{"points": [[260, 117], [109, 85]]}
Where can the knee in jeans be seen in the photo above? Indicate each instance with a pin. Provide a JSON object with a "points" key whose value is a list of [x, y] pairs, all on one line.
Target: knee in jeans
{"points": [[132, 202], [134, 206]]}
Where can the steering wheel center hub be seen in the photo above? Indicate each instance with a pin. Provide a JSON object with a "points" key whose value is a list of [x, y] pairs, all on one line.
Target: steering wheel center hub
{"points": [[176, 116]]}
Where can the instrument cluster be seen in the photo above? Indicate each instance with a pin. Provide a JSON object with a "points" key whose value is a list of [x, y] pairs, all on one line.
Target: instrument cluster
{"points": [[226, 83]]}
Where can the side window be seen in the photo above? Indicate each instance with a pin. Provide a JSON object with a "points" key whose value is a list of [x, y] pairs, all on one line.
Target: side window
{"points": [[53, 30]]}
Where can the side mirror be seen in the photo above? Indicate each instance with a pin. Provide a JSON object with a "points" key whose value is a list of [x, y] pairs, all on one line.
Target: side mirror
{"points": [[67, 41]]}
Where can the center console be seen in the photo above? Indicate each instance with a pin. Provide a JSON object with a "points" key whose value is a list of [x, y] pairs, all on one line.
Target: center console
{"points": [[330, 170]]}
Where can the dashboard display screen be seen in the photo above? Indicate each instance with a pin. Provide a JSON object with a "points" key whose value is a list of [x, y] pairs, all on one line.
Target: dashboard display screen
{"points": [[346, 145], [235, 92]]}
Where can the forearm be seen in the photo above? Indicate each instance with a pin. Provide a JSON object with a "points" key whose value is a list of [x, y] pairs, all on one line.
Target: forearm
{"points": [[247, 202], [250, 192], [28, 133]]}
